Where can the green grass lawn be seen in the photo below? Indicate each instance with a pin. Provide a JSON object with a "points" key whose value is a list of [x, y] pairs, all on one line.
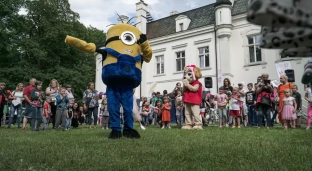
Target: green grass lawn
{"points": [[169, 149]]}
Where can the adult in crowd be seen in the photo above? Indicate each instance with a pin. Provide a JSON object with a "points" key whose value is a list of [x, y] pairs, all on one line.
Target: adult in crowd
{"points": [[264, 100], [52, 91], [28, 102], [177, 88], [280, 90], [91, 104], [16, 104], [70, 94], [227, 89], [3, 100]]}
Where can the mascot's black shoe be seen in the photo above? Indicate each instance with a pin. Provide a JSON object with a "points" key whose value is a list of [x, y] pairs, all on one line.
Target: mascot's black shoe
{"points": [[131, 133], [115, 134]]}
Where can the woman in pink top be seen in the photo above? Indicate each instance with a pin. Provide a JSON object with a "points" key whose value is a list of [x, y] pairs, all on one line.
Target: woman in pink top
{"points": [[221, 99]]}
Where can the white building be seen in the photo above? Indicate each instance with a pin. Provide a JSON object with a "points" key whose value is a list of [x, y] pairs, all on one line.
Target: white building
{"points": [[214, 37]]}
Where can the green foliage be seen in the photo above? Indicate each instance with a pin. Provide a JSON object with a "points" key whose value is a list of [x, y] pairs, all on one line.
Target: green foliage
{"points": [[32, 45]]}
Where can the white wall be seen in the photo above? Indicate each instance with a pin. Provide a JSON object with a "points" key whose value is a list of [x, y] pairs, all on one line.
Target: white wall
{"points": [[240, 54], [190, 45]]}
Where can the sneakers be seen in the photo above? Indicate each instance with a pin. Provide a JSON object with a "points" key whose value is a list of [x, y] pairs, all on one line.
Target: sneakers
{"points": [[238, 127], [233, 126], [163, 127], [142, 127], [24, 128], [307, 128], [226, 125]]}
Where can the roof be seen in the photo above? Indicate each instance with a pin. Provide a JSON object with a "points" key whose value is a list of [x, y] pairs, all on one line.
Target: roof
{"points": [[223, 2], [199, 17]]}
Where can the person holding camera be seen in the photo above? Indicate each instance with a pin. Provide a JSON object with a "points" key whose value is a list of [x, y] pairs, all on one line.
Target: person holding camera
{"points": [[265, 96]]}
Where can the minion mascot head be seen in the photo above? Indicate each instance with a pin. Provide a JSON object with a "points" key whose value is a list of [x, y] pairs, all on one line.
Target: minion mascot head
{"points": [[125, 50]]}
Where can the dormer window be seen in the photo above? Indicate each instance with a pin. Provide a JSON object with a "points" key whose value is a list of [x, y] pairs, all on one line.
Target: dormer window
{"points": [[181, 26], [182, 23]]}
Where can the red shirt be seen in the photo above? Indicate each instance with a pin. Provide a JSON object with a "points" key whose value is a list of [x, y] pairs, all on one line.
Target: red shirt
{"points": [[193, 97], [48, 107], [27, 91]]}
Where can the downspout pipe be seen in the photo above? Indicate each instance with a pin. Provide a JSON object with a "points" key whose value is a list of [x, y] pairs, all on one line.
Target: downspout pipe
{"points": [[216, 54]]}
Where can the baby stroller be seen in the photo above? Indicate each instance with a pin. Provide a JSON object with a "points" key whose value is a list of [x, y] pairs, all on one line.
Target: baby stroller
{"points": [[211, 114]]}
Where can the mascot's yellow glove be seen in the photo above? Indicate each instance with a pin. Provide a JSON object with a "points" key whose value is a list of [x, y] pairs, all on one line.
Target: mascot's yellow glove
{"points": [[80, 44]]}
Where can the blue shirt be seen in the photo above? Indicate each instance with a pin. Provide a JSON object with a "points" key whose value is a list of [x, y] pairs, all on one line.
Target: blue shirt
{"points": [[61, 103]]}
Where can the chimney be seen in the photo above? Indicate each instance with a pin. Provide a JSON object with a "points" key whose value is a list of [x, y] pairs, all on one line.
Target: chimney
{"points": [[123, 19], [141, 13], [173, 13]]}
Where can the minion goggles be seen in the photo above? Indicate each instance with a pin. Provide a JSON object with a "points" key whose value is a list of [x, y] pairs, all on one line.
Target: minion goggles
{"points": [[127, 37]]}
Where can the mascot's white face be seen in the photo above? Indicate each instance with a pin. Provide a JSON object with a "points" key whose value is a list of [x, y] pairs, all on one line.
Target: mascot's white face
{"points": [[189, 74]]}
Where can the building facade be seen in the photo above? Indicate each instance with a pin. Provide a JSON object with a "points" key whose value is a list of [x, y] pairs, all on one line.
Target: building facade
{"points": [[216, 37]]}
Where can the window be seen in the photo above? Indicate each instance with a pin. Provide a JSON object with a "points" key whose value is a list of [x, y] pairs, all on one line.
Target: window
{"points": [[181, 26], [254, 49], [180, 61], [160, 64], [220, 17], [203, 57]]}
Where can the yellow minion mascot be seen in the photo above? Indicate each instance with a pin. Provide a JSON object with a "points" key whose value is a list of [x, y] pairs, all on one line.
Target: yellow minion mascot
{"points": [[125, 50]]}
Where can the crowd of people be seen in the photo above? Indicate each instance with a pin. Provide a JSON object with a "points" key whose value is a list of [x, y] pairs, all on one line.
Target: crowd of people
{"points": [[260, 105]]}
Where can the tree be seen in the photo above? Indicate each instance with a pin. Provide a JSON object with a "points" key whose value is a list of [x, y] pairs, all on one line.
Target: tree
{"points": [[37, 47]]}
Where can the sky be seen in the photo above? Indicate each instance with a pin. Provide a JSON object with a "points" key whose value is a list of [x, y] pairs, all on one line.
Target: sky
{"points": [[101, 13]]}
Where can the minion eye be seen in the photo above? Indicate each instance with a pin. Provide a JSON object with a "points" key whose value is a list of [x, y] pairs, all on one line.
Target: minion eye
{"points": [[189, 74], [128, 38]]}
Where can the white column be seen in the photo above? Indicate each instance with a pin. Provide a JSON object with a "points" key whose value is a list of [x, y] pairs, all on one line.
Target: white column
{"points": [[224, 54], [99, 85], [141, 12]]}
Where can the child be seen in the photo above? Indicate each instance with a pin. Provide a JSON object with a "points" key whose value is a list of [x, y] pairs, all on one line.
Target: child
{"points": [[153, 103], [61, 109], [235, 107], [75, 123], [250, 104], [308, 97], [46, 113], [3, 100], [222, 99], [289, 109], [37, 98], [179, 108], [242, 94], [81, 115], [202, 112], [275, 105], [101, 113], [105, 115], [69, 117], [166, 113], [297, 96], [146, 111], [136, 115], [157, 111]]}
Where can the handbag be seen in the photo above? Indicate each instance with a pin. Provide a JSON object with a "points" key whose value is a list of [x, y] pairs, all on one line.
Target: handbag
{"points": [[265, 101], [6, 109]]}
